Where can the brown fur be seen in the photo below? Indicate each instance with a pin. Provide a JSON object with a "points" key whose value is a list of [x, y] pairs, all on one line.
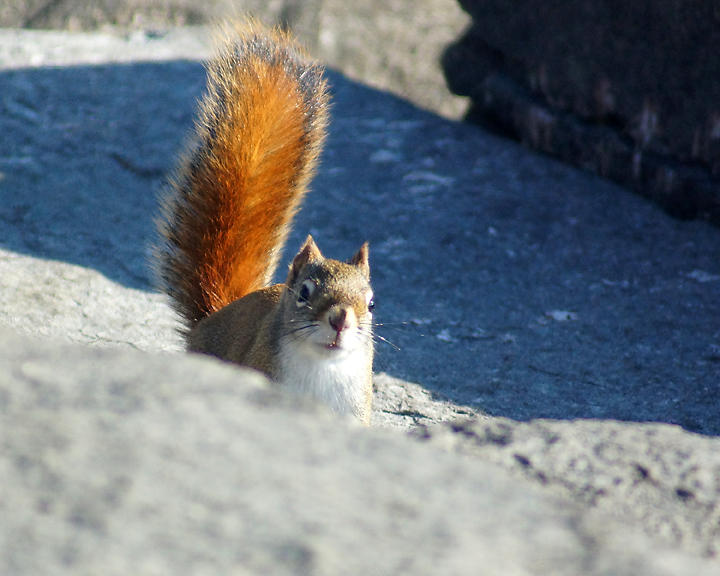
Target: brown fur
{"points": [[218, 334], [257, 139]]}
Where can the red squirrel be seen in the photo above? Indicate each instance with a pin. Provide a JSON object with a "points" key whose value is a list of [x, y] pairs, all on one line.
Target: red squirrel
{"points": [[226, 215]]}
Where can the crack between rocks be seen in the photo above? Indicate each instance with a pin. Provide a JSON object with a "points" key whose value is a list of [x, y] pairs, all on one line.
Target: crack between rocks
{"points": [[40, 12], [148, 173], [410, 413], [567, 377]]}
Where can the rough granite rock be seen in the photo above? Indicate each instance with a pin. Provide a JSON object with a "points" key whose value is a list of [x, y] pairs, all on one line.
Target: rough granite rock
{"points": [[118, 462], [511, 287], [653, 475]]}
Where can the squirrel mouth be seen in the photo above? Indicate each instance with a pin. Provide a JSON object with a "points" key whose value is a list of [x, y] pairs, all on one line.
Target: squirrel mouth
{"points": [[336, 343]]}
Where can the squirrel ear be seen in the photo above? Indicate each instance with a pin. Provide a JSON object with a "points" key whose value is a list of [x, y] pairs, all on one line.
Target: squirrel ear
{"points": [[309, 252], [361, 259]]}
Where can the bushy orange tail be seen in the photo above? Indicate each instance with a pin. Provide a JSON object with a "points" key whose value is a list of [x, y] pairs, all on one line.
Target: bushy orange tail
{"points": [[229, 207]]}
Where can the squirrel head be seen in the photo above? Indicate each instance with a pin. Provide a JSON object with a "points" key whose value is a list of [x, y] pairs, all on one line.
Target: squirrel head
{"points": [[329, 302]]}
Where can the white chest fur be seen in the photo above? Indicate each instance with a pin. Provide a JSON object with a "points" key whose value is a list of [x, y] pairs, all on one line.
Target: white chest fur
{"points": [[335, 378]]}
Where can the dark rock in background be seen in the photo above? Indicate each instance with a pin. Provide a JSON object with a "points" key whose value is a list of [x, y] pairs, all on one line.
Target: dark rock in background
{"points": [[630, 90]]}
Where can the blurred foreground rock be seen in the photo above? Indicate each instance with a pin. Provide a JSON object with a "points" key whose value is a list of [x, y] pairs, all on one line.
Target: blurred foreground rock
{"points": [[126, 463], [653, 475]]}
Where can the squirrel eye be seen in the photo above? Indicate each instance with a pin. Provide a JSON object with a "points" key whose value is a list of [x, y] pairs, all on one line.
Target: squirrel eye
{"points": [[370, 302], [306, 290]]}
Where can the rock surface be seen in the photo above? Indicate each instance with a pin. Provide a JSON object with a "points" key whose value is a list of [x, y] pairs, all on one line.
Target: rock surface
{"points": [[654, 475], [515, 288], [127, 463], [391, 44]]}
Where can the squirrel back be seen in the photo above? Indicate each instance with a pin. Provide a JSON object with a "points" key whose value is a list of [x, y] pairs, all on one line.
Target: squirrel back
{"points": [[227, 213]]}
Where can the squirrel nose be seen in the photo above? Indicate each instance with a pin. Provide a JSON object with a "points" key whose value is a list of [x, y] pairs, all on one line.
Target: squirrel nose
{"points": [[339, 319]]}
